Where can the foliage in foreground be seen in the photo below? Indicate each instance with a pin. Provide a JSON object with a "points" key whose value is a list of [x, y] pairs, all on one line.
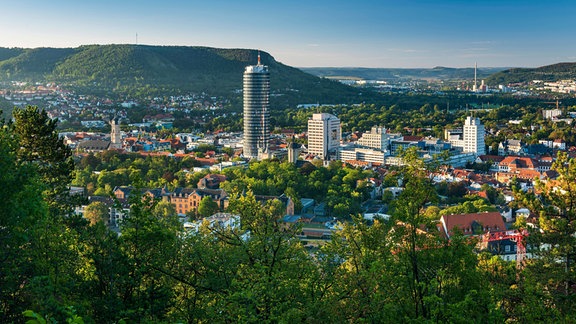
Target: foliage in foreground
{"points": [[57, 267]]}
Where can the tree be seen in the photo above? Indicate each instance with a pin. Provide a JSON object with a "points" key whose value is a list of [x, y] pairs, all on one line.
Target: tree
{"points": [[207, 206], [150, 243], [387, 196], [270, 283], [89, 160], [553, 272], [408, 209], [436, 277], [40, 252], [20, 212], [39, 145], [165, 209], [97, 212]]}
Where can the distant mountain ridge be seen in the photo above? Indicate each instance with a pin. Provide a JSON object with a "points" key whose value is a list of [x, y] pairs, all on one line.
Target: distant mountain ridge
{"points": [[141, 70], [552, 72], [395, 74]]}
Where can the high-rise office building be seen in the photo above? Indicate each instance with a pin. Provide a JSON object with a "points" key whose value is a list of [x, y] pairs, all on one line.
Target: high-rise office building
{"points": [[256, 110], [474, 136], [470, 138], [324, 134]]}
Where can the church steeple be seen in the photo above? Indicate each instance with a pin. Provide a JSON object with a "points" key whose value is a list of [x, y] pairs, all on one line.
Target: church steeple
{"points": [[115, 134]]}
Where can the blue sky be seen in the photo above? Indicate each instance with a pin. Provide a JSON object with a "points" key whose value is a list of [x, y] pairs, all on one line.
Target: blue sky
{"points": [[361, 33]]}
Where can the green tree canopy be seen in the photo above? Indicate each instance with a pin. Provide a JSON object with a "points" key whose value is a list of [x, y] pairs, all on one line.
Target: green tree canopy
{"points": [[40, 146]]}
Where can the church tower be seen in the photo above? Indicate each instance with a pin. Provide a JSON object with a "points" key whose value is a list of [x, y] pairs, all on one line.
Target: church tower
{"points": [[115, 135]]}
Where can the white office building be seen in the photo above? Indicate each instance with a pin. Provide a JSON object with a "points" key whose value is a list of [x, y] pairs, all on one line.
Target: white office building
{"points": [[324, 134], [470, 138], [474, 136], [376, 139]]}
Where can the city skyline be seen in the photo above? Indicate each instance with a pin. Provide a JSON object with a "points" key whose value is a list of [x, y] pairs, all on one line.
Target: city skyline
{"points": [[366, 33]]}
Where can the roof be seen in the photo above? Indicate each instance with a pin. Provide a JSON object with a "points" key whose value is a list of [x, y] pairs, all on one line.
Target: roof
{"points": [[538, 149], [473, 224], [521, 162], [493, 158], [410, 138], [528, 174], [514, 142], [94, 145], [262, 198], [460, 173]]}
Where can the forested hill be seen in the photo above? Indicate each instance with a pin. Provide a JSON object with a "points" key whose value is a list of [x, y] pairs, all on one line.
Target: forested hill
{"points": [[554, 72], [149, 70]]}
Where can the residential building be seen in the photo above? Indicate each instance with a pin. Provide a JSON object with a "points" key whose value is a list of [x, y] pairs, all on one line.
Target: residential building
{"points": [[514, 164], [185, 200], [324, 134], [511, 146], [211, 181], [220, 220], [256, 110], [472, 224]]}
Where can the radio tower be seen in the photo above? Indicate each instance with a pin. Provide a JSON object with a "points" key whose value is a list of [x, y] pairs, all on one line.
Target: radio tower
{"points": [[475, 87]]}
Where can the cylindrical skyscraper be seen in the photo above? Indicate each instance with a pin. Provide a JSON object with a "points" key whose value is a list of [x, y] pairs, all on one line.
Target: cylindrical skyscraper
{"points": [[256, 109]]}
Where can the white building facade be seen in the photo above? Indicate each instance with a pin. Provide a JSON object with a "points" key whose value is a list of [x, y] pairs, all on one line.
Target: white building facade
{"points": [[376, 139], [474, 136], [324, 135]]}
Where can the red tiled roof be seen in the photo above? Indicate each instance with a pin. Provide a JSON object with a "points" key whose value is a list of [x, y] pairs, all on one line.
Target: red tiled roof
{"points": [[490, 221], [528, 174], [521, 162], [205, 161], [357, 162], [483, 194]]}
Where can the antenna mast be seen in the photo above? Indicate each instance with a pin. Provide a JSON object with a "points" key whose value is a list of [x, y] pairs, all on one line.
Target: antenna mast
{"points": [[475, 88]]}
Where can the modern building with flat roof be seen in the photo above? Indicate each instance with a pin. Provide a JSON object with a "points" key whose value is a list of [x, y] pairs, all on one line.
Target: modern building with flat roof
{"points": [[324, 134]]}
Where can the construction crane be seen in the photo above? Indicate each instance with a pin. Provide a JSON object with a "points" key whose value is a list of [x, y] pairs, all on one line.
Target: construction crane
{"points": [[518, 236], [557, 102]]}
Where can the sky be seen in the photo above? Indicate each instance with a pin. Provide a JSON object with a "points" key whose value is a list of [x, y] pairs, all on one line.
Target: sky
{"points": [[313, 33]]}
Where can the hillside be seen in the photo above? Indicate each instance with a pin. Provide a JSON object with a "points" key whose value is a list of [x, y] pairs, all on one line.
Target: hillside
{"points": [[396, 74], [141, 70], [552, 72]]}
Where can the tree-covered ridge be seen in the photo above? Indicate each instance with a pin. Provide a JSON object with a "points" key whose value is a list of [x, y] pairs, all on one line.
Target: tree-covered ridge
{"points": [[554, 72], [6, 53], [154, 70], [32, 64]]}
